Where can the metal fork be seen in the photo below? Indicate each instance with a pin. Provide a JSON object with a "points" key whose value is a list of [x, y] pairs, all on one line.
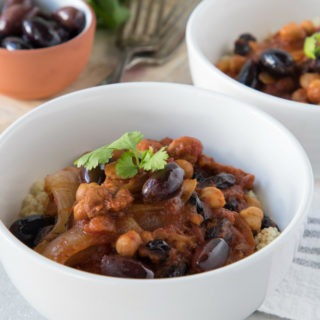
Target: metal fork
{"points": [[168, 48], [155, 26]]}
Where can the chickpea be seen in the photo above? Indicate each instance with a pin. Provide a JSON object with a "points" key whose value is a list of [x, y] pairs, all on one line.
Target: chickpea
{"points": [[213, 196], [79, 212], [196, 219], [308, 26], [307, 78], [231, 65], [128, 243], [253, 216], [101, 224], [292, 32], [145, 144], [110, 170], [187, 148], [82, 189], [313, 91], [187, 168]]}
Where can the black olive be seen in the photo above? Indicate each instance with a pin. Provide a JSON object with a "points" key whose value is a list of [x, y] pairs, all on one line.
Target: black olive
{"points": [[9, 3], [231, 204], [277, 62], [222, 180], [163, 184], [40, 32], [27, 229], [11, 19], [212, 255], [158, 245], [123, 267], [70, 18], [311, 65], [268, 222], [94, 175], [175, 270], [241, 45], [222, 229], [248, 74], [15, 43], [200, 207]]}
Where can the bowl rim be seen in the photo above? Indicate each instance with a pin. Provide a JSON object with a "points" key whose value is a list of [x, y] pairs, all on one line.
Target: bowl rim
{"points": [[90, 22], [196, 18], [301, 211]]}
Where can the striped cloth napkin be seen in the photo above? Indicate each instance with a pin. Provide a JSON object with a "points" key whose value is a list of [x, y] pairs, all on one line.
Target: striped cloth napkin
{"points": [[298, 295]]}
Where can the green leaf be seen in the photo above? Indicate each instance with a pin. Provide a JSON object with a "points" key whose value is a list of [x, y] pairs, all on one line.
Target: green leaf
{"points": [[156, 161], [103, 154], [128, 141], [311, 46], [131, 161], [110, 13], [92, 159], [125, 167]]}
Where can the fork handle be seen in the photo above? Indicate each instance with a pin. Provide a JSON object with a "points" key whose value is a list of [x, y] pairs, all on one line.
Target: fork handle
{"points": [[117, 74]]}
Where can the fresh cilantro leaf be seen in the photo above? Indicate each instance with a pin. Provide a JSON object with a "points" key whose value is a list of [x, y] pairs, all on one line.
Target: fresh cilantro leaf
{"points": [[145, 157], [156, 161], [128, 141], [92, 159], [311, 46], [131, 161], [125, 167]]}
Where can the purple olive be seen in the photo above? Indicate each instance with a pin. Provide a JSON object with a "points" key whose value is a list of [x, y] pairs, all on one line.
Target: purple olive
{"points": [[249, 74], [40, 32], [94, 175], [12, 18], [15, 43], [277, 62], [212, 255], [70, 18], [123, 267], [163, 184], [9, 3], [242, 46], [27, 229]]}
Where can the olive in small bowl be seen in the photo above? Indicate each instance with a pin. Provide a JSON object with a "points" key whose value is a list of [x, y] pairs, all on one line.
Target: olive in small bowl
{"points": [[44, 46]]}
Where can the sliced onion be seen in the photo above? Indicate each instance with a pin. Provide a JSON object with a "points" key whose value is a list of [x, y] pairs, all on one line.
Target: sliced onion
{"points": [[71, 242], [62, 186]]}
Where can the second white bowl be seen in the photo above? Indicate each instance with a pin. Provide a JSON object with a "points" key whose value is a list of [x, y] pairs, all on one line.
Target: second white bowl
{"points": [[225, 20]]}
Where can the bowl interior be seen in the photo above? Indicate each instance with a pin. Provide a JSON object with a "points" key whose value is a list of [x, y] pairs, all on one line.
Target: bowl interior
{"points": [[227, 19], [54, 135]]}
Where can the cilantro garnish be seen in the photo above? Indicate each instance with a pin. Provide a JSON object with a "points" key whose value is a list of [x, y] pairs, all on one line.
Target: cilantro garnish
{"points": [[131, 161], [311, 46]]}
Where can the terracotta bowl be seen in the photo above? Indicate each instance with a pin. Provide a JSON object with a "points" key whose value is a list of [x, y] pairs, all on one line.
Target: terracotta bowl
{"points": [[41, 73]]}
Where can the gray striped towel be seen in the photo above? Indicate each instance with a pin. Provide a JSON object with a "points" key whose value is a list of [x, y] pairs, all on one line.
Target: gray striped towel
{"points": [[298, 295]]}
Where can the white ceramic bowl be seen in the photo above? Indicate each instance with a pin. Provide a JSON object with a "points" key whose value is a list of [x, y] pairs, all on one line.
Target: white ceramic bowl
{"points": [[225, 20], [53, 135]]}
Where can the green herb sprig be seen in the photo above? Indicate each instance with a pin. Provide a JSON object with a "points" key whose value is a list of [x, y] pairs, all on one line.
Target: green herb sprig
{"points": [[131, 161], [311, 46]]}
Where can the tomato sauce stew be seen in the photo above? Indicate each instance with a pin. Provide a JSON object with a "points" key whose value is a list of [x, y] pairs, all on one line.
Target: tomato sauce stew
{"points": [[192, 215], [286, 64]]}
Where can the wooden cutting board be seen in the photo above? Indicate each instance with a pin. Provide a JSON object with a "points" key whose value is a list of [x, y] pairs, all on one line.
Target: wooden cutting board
{"points": [[103, 60]]}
